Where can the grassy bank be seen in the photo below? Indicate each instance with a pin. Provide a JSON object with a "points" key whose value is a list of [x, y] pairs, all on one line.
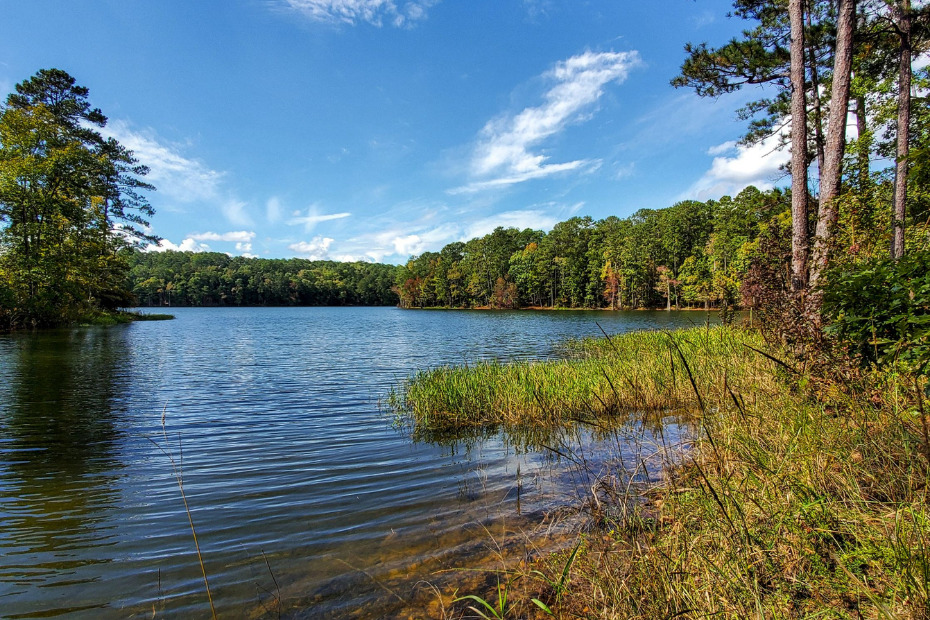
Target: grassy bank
{"points": [[641, 371], [801, 498], [118, 318]]}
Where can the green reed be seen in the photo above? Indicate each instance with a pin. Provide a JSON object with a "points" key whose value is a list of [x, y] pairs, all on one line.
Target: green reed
{"points": [[640, 371], [806, 498]]}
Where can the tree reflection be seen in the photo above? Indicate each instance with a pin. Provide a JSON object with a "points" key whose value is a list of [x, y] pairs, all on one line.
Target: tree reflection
{"points": [[61, 397]]}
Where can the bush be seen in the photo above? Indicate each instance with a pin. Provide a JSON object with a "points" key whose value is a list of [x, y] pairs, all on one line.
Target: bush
{"points": [[881, 309]]}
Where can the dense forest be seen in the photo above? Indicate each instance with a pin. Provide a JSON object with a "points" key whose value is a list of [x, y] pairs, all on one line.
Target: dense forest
{"points": [[216, 279], [692, 254]]}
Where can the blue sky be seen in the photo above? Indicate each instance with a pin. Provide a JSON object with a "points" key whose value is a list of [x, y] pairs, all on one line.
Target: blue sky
{"points": [[377, 129]]}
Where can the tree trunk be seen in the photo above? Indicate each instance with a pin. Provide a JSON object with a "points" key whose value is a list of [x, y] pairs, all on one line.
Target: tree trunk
{"points": [[902, 12], [799, 240], [832, 173]]}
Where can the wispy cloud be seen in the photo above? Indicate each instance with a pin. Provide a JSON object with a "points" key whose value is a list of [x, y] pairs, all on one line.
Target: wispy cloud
{"points": [[273, 210], [374, 12], [235, 211], [736, 167], [179, 179], [526, 218], [314, 217], [240, 236], [397, 240], [504, 152]]}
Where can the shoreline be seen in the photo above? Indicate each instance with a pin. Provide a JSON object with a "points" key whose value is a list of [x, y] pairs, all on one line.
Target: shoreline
{"points": [[802, 493]]}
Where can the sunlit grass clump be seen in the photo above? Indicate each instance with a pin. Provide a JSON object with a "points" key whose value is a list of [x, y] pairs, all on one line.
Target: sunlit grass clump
{"points": [[639, 371]]}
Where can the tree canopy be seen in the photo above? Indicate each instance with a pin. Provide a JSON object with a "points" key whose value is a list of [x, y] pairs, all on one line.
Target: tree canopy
{"points": [[71, 200]]}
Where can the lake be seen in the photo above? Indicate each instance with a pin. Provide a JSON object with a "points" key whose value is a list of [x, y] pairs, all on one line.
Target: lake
{"points": [[308, 500]]}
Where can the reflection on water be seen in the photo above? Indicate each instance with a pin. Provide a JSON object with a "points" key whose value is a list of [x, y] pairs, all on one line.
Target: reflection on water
{"points": [[58, 461], [306, 499]]}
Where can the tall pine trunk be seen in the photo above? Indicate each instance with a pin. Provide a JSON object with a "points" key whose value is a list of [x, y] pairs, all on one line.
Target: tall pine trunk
{"points": [[799, 240], [902, 20], [832, 174]]}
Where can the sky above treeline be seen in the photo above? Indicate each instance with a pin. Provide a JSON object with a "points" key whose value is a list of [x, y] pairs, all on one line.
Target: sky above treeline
{"points": [[379, 129]]}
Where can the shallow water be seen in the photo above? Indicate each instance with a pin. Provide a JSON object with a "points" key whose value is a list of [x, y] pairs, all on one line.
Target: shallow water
{"points": [[306, 498]]}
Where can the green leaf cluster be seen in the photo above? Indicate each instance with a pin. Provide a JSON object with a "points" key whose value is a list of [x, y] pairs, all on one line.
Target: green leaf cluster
{"points": [[882, 309]]}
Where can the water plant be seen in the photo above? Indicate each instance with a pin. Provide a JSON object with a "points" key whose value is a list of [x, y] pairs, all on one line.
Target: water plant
{"points": [[176, 468]]}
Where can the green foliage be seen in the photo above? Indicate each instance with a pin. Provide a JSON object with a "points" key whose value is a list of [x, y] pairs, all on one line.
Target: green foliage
{"points": [[70, 201], [882, 309], [216, 279], [691, 254]]}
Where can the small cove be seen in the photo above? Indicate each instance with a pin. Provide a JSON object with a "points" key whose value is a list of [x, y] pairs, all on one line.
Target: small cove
{"points": [[288, 461]]}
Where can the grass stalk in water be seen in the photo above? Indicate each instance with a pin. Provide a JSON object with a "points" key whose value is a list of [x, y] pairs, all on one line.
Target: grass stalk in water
{"points": [[176, 469]]}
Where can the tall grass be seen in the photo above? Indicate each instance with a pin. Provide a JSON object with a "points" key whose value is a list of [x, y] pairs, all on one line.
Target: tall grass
{"points": [[801, 497], [641, 371], [793, 503]]}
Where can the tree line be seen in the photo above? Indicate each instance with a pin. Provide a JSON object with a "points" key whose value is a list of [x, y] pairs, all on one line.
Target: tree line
{"points": [[692, 254], [215, 279]]}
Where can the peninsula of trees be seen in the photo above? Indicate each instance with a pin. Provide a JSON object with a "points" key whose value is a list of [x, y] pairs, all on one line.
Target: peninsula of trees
{"points": [[71, 202]]}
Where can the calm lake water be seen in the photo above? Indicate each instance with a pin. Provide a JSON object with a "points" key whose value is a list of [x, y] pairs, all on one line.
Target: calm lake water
{"points": [[307, 500]]}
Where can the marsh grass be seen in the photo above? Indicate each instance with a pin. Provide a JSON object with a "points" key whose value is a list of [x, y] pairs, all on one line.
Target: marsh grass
{"points": [[801, 496], [636, 372]]}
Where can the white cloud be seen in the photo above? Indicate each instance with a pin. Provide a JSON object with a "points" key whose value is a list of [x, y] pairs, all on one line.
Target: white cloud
{"points": [[194, 242], [188, 245], [374, 12], [353, 258], [760, 164], [720, 149], [315, 249], [314, 217], [178, 177], [504, 155], [921, 61]]}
